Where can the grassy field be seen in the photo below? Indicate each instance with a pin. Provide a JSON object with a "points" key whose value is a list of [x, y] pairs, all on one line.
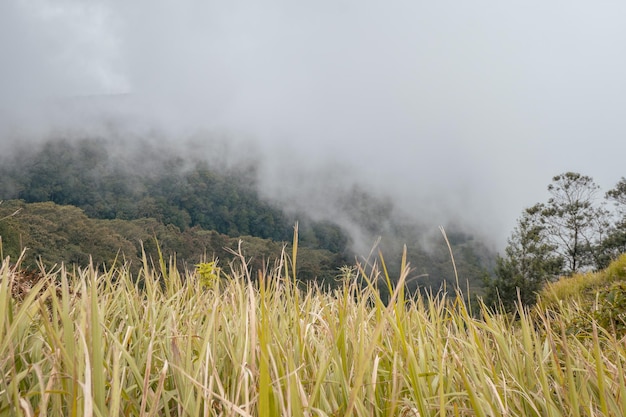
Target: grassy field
{"points": [[220, 342]]}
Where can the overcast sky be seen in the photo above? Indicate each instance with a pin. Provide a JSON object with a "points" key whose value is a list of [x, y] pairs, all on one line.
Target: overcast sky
{"points": [[459, 109]]}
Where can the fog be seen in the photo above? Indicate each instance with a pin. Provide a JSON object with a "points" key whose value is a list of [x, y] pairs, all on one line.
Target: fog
{"points": [[460, 112]]}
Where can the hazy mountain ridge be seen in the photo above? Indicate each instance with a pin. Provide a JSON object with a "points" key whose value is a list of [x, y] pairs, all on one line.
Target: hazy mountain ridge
{"points": [[196, 208]]}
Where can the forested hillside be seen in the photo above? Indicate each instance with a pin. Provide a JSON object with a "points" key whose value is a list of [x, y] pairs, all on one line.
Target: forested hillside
{"points": [[152, 184], [86, 198], [64, 234]]}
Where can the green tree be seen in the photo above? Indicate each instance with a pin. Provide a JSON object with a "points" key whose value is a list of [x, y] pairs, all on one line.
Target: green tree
{"points": [[529, 261], [615, 242], [618, 195], [574, 222]]}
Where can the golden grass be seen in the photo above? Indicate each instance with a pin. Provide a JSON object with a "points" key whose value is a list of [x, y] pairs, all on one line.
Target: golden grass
{"points": [[582, 286], [82, 342]]}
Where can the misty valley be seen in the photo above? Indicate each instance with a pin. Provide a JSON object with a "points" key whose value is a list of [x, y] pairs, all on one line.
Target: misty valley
{"points": [[92, 200], [319, 208], [152, 284]]}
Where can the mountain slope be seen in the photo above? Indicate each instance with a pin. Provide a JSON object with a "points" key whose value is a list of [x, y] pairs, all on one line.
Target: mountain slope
{"points": [[192, 207]]}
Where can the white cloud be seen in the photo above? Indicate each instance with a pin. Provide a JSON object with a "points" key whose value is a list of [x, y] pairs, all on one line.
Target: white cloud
{"points": [[455, 109]]}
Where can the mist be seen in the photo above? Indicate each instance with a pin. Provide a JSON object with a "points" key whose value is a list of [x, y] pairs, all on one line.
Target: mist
{"points": [[459, 113]]}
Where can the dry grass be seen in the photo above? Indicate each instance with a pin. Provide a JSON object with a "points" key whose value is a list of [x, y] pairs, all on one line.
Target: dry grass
{"points": [[162, 343], [582, 287]]}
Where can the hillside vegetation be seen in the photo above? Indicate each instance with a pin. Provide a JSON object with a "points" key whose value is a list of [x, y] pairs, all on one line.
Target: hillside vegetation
{"points": [[207, 342], [573, 232], [55, 235], [599, 295], [96, 199]]}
